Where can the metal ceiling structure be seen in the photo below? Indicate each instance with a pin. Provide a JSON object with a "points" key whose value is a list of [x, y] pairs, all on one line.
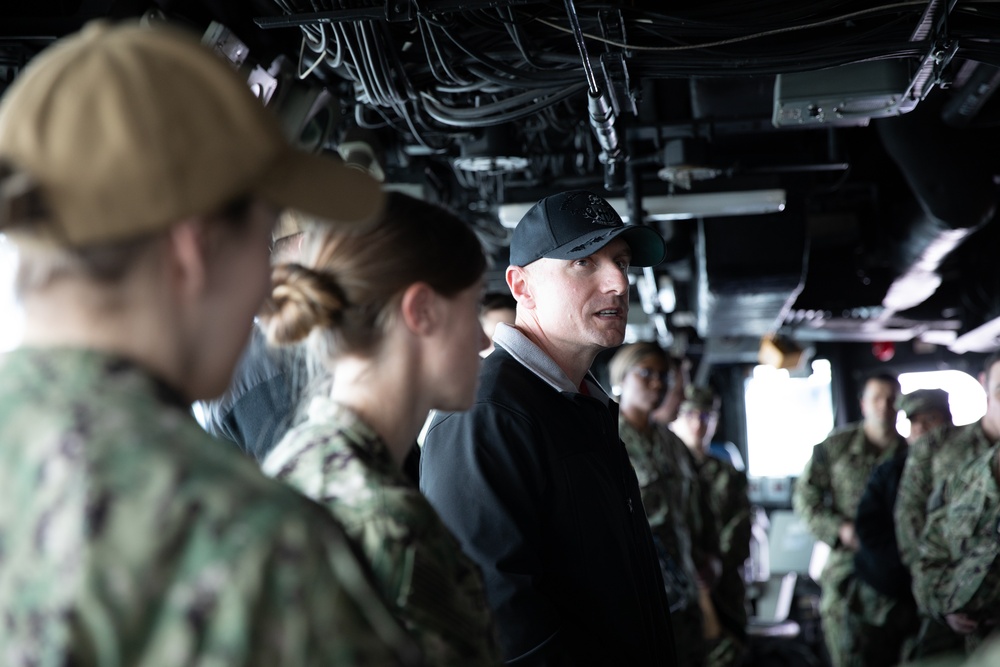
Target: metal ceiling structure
{"points": [[872, 127]]}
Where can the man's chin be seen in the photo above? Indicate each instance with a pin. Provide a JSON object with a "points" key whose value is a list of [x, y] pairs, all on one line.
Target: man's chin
{"points": [[611, 340]]}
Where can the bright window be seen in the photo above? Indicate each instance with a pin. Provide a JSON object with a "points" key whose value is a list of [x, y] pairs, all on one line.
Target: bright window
{"points": [[11, 321], [786, 416], [966, 397]]}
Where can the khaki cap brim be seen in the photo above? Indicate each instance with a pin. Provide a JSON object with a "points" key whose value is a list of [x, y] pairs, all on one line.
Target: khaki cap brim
{"points": [[127, 130], [321, 186]]}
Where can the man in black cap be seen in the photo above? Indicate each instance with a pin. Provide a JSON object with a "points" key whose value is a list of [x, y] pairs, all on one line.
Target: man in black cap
{"points": [[533, 480]]}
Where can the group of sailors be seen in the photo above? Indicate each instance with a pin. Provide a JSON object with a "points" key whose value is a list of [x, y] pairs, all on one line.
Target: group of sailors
{"points": [[914, 526], [141, 184], [541, 522]]}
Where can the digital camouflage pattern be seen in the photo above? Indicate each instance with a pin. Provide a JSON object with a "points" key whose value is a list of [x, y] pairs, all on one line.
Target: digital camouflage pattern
{"points": [[725, 488], [128, 536], [882, 616], [668, 484], [825, 496], [337, 459], [987, 655], [957, 570], [930, 461], [877, 625]]}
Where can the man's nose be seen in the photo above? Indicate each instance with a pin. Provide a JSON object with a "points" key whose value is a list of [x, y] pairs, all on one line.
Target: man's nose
{"points": [[615, 280]]}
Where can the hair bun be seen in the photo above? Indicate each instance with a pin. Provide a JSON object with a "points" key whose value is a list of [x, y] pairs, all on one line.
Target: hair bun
{"points": [[301, 300]]}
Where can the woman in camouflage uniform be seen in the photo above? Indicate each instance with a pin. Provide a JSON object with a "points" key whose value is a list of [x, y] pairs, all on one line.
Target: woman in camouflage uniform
{"points": [[139, 180], [669, 486], [392, 311]]}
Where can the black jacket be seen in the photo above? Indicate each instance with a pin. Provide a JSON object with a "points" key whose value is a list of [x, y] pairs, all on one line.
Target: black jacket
{"points": [[257, 408], [537, 487], [877, 561]]}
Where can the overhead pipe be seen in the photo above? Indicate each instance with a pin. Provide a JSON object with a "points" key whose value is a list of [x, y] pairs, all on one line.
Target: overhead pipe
{"points": [[601, 113]]}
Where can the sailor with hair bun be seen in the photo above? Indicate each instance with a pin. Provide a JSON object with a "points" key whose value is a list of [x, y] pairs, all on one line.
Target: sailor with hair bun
{"points": [[391, 312]]}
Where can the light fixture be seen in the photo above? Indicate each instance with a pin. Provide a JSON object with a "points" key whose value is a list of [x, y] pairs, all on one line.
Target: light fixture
{"points": [[666, 295], [680, 207]]}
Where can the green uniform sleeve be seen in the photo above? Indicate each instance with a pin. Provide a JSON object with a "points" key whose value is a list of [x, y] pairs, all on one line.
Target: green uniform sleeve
{"points": [[734, 520], [316, 607], [911, 500], [704, 532], [291, 597], [812, 498], [418, 566], [957, 564], [932, 569]]}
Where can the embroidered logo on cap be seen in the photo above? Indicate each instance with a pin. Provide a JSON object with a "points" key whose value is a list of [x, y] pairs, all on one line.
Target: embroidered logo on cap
{"points": [[591, 208]]}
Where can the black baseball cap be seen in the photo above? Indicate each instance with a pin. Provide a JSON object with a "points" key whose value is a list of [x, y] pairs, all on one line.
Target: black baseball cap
{"points": [[576, 224]]}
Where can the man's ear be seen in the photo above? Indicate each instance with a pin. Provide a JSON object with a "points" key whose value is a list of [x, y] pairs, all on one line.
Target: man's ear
{"points": [[420, 309], [188, 260], [519, 284]]}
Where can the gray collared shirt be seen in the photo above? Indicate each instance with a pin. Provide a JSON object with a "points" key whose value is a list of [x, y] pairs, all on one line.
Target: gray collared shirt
{"points": [[534, 359]]}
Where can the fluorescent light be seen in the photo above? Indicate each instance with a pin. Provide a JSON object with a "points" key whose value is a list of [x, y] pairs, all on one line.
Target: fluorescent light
{"points": [[680, 207]]}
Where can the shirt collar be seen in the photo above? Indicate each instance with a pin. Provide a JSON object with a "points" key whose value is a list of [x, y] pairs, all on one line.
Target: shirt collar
{"points": [[535, 360]]}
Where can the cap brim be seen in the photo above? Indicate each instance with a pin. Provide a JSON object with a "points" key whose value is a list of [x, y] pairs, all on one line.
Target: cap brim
{"points": [[646, 244], [322, 187]]}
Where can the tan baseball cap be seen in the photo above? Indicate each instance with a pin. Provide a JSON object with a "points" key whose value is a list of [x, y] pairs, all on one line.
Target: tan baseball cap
{"points": [[128, 129]]}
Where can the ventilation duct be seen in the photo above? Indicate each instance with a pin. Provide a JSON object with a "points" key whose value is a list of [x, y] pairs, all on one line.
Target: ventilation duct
{"points": [[954, 196], [749, 273]]}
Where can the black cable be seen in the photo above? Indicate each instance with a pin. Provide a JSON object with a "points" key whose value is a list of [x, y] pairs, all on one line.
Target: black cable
{"points": [[428, 40], [503, 105], [441, 114], [499, 55], [359, 74], [489, 76], [514, 30], [540, 75], [441, 58], [378, 79]]}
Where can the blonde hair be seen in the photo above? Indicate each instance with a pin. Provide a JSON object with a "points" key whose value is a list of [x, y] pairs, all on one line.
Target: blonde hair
{"points": [[42, 258], [45, 256], [344, 291], [629, 355]]}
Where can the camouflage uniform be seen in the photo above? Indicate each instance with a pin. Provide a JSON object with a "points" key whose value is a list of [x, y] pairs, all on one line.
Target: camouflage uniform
{"points": [[128, 536], [826, 495], [987, 655], [957, 570], [930, 461], [669, 487], [726, 490], [338, 460], [882, 614]]}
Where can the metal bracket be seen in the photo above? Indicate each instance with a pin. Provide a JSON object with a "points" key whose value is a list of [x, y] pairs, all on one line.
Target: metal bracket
{"points": [[397, 11]]}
